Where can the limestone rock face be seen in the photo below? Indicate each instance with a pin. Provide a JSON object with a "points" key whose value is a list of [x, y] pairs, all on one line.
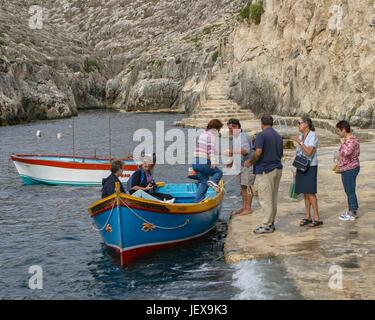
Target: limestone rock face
{"points": [[119, 54], [307, 57], [44, 73], [313, 57], [152, 94]]}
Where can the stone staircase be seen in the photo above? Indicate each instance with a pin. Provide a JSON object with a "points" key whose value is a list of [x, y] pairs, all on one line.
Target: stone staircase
{"points": [[216, 105]]}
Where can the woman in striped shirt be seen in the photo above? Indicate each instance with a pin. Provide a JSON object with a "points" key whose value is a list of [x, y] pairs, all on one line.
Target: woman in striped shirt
{"points": [[205, 160], [349, 168]]}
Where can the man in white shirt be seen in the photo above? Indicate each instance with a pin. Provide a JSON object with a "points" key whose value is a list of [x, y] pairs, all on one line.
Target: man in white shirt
{"points": [[244, 147]]}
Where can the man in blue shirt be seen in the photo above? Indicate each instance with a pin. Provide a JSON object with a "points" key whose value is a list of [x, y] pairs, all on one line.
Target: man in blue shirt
{"points": [[268, 171]]}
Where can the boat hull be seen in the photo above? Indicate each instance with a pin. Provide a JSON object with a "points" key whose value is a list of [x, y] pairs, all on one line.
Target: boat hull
{"points": [[132, 230], [55, 170]]}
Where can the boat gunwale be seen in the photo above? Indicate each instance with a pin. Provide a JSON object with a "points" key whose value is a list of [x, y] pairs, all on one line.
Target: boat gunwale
{"points": [[191, 208], [18, 155]]}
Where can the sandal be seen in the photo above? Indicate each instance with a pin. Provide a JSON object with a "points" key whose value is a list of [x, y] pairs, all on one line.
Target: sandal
{"points": [[305, 222], [316, 224]]}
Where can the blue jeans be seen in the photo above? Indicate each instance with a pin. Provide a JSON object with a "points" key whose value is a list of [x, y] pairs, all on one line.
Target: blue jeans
{"points": [[204, 172], [144, 195], [349, 181]]}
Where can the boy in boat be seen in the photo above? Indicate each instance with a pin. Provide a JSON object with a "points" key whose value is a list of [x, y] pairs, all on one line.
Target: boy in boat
{"points": [[109, 182]]}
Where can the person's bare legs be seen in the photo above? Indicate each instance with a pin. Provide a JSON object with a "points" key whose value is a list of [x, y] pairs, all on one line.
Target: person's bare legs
{"points": [[247, 199], [307, 206], [314, 203]]}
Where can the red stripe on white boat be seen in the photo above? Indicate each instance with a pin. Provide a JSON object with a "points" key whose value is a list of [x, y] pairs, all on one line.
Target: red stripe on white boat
{"points": [[70, 165]]}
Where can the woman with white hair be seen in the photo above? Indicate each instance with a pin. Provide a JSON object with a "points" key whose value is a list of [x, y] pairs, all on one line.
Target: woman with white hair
{"points": [[142, 184]]}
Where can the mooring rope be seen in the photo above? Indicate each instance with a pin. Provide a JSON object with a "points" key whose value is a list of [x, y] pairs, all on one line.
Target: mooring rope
{"points": [[109, 218], [248, 190], [150, 223]]}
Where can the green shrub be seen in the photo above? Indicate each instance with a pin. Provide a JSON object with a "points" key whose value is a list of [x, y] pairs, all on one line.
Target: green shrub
{"points": [[207, 30], [252, 12], [197, 41], [256, 11], [156, 63], [2, 40], [245, 13], [215, 56], [90, 65], [147, 13]]}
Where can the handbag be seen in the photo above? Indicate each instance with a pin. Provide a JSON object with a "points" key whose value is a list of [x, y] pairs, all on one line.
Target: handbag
{"points": [[301, 162]]}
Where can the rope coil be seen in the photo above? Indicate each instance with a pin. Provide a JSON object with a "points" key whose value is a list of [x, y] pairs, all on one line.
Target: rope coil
{"points": [[109, 218]]}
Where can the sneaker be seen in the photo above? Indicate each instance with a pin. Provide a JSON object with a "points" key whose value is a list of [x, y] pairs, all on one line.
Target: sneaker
{"points": [[344, 216], [170, 201], [263, 229], [213, 185], [348, 217]]}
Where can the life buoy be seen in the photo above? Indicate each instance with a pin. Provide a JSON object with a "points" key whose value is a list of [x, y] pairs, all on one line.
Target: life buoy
{"points": [[192, 174]]}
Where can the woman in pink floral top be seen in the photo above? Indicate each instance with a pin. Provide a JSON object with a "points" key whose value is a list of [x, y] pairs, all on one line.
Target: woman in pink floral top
{"points": [[349, 168]]}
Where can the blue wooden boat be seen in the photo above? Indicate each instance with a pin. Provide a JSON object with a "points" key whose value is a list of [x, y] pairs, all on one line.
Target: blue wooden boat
{"points": [[133, 227]]}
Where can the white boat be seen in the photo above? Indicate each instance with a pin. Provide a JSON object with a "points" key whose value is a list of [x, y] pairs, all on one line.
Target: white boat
{"points": [[66, 169]]}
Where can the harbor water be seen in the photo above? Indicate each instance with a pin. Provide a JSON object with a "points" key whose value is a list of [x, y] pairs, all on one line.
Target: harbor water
{"points": [[49, 227]]}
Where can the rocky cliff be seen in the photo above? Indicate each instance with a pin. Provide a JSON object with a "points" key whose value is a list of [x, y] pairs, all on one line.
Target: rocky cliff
{"points": [[45, 72], [305, 56], [313, 57], [60, 56]]}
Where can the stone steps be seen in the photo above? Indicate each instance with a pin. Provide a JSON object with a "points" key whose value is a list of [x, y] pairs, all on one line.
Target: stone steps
{"points": [[224, 111], [217, 97], [204, 119], [221, 108], [201, 124], [217, 105], [214, 102], [217, 83], [216, 88], [214, 92], [238, 115]]}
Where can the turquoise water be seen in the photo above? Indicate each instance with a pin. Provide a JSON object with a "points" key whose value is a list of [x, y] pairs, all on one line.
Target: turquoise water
{"points": [[50, 227]]}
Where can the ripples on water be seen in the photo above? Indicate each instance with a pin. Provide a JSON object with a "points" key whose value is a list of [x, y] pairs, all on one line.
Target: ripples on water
{"points": [[50, 227]]}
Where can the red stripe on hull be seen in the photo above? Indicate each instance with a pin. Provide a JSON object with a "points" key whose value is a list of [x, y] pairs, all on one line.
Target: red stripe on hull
{"points": [[71, 165], [131, 255]]}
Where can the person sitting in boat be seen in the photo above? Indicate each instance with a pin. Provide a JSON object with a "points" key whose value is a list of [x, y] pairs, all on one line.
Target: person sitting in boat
{"points": [[109, 182], [142, 180]]}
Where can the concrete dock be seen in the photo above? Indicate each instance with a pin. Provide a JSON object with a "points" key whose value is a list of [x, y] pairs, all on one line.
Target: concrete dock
{"points": [[314, 257]]}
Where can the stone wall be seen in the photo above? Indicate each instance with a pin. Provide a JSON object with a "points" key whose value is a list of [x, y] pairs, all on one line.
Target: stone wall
{"points": [[314, 57]]}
